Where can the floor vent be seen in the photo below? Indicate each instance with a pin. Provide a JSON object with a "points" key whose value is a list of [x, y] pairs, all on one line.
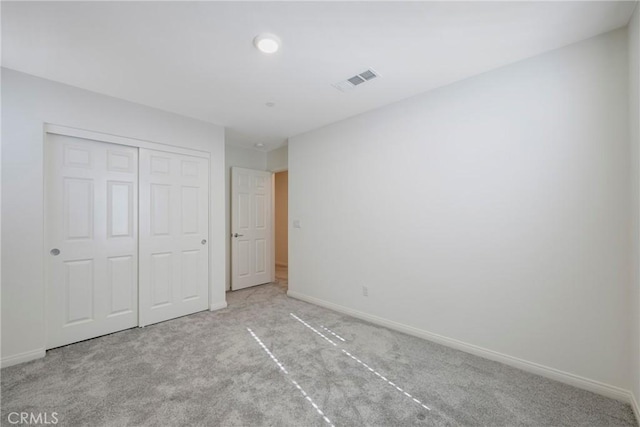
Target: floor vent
{"points": [[358, 79]]}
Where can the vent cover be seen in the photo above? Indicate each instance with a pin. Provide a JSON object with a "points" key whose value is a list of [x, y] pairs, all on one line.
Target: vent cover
{"points": [[356, 80]]}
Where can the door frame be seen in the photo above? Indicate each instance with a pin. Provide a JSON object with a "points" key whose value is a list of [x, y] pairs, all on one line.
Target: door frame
{"points": [[54, 129]]}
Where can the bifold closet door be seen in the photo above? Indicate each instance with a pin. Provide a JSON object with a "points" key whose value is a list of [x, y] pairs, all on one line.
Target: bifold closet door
{"points": [[91, 238], [174, 228]]}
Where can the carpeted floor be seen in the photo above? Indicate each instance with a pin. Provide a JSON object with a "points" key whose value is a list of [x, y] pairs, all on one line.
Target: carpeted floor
{"points": [[210, 369]]}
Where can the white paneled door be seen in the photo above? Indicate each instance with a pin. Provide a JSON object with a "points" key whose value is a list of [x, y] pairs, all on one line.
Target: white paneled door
{"points": [[174, 228], [251, 228], [91, 238]]}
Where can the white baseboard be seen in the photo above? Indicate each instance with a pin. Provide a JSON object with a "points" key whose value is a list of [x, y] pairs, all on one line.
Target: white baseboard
{"points": [[27, 356], [535, 368], [217, 306]]}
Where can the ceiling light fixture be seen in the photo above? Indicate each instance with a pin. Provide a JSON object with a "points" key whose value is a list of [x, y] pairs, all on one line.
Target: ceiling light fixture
{"points": [[267, 42], [259, 145]]}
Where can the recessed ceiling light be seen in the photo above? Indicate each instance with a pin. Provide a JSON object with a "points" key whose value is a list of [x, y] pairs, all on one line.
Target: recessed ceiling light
{"points": [[267, 43], [259, 145]]}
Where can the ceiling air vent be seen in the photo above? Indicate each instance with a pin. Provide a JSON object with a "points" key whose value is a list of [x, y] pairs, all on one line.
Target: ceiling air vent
{"points": [[356, 80]]}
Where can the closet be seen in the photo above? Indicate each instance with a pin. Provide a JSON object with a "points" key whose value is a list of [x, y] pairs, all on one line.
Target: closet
{"points": [[126, 234]]}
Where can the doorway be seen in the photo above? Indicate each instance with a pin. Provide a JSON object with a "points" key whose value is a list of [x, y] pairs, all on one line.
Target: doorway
{"points": [[281, 204]]}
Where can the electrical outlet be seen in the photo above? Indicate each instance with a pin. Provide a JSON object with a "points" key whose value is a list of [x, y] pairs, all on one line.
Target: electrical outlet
{"points": [[365, 291]]}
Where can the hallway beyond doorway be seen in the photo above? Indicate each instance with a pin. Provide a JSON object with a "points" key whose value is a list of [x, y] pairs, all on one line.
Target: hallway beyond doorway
{"points": [[282, 277]]}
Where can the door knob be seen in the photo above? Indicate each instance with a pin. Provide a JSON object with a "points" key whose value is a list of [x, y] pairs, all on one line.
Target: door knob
{"points": [[238, 235], [55, 251], [204, 241]]}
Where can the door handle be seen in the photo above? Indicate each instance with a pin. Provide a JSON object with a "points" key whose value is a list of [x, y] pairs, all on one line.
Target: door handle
{"points": [[55, 251], [204, 241], [238, 235]]}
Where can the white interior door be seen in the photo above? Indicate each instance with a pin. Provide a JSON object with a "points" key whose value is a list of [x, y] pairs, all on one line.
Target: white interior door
{"points": [[251, 234], [91, 238], [174, 228]]}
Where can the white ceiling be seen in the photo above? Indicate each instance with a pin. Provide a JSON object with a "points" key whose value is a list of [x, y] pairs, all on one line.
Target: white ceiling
{"points": [[197, 58]]}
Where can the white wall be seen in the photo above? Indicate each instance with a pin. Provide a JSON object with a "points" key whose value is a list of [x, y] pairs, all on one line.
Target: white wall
{"points": [[493, 212], [244, 158], [634, 114], [278, 160], [27, 103]]}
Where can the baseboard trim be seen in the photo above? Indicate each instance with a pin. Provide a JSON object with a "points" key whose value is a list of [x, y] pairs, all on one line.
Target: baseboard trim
{"points": [[27, 356], [535, 368], [217, 306], [635, 406]]}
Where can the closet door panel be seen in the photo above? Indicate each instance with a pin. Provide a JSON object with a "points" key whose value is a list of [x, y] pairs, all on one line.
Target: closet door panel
{"points": [[174, 229], [91, 238]]}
